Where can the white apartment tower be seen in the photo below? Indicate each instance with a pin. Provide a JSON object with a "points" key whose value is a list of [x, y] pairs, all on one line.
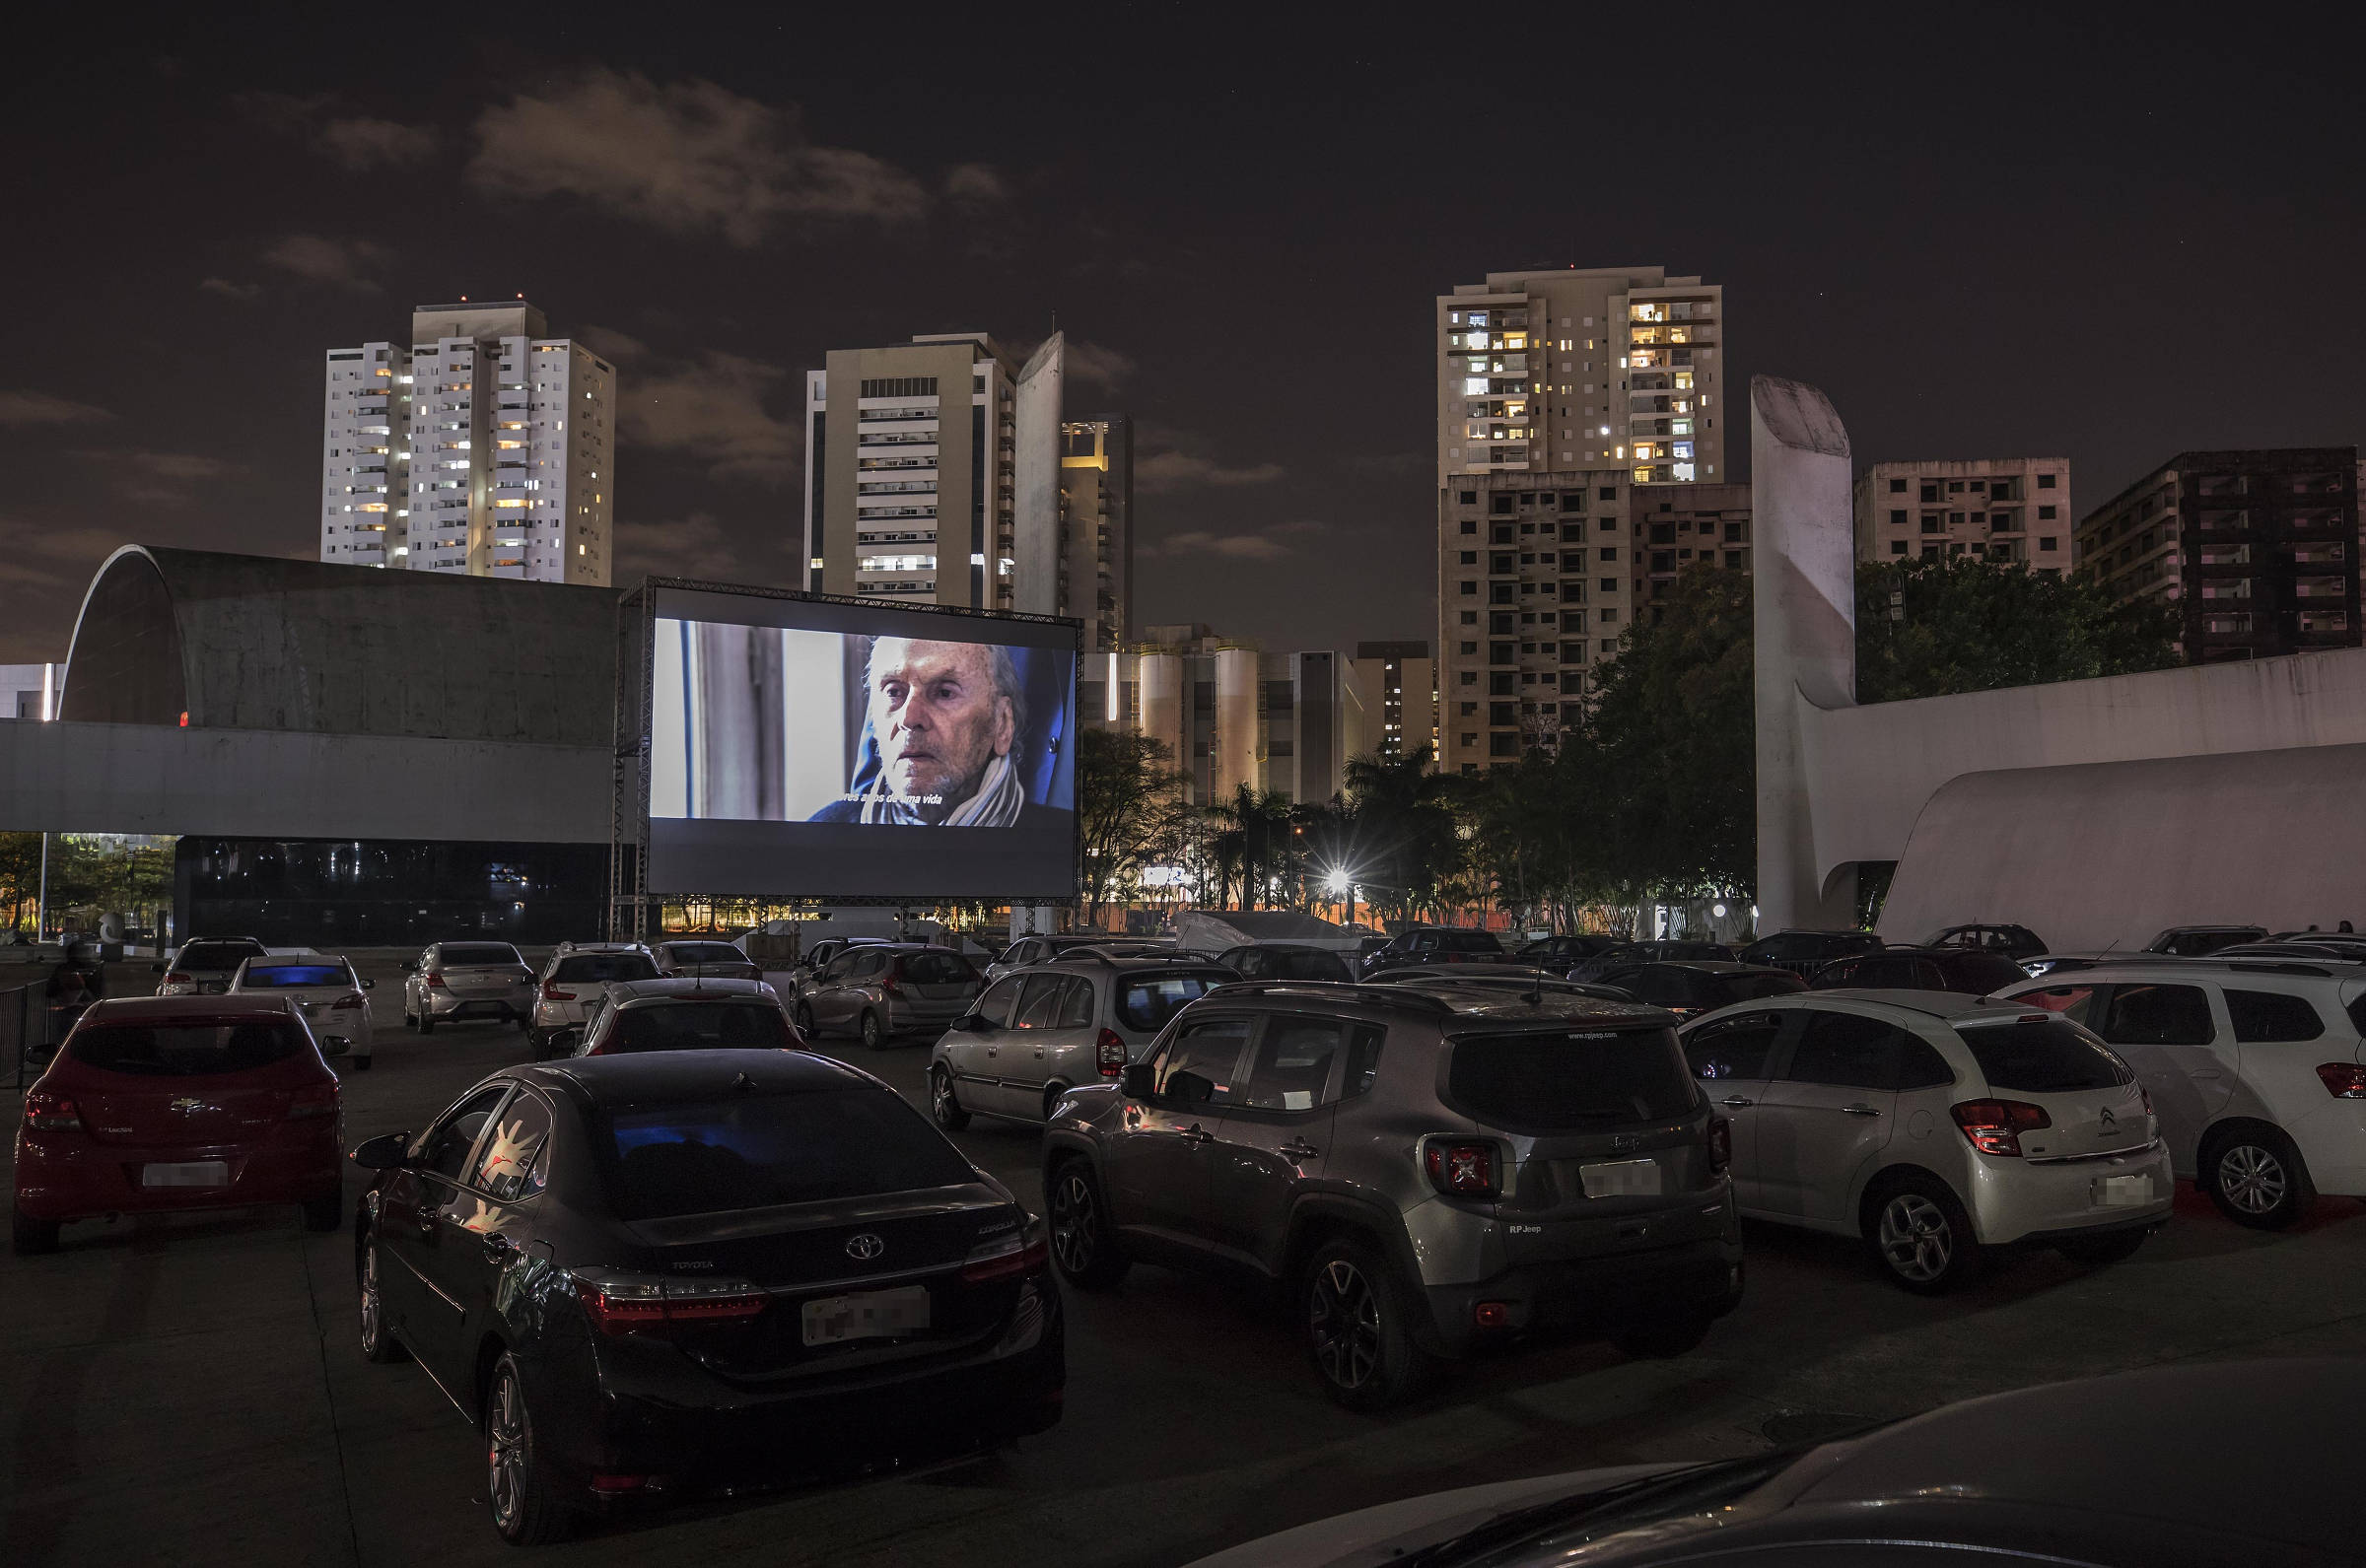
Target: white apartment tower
{"points": [[483, 446]]}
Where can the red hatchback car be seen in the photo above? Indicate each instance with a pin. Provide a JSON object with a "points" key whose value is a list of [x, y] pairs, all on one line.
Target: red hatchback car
{"points": [[177, 1103]]}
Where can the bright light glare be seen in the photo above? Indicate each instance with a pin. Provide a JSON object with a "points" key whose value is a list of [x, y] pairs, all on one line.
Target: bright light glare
{"points": [[1336, 883], [1719, 910]]}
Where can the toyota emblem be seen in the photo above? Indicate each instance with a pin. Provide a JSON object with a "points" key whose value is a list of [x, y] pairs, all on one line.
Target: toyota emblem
{"points": [[865, 1247]]}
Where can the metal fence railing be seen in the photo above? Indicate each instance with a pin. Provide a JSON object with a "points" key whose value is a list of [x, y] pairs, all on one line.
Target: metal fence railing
{"points": [[23, 1022]]}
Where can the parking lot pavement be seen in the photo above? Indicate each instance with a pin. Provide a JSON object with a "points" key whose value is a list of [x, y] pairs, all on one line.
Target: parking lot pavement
{"points": [[188, 1391]]}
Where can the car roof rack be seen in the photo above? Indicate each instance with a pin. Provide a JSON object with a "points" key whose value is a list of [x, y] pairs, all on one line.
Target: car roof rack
{"points": [[1384, 995], [1101, 955]]}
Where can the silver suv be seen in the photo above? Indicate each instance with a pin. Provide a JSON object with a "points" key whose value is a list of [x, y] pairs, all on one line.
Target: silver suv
{"points": [[1039, 1033], [1422, 1167]]}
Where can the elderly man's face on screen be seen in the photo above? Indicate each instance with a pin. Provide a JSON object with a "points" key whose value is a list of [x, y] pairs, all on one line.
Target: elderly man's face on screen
{"points": [[936, 715]]}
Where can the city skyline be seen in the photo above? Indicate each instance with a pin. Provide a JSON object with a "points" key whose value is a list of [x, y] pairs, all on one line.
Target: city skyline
{"points": [[712, 222]]}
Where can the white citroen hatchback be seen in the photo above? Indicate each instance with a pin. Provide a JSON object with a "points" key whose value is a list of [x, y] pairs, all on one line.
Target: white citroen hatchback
{"points": [[1937, 1127]]}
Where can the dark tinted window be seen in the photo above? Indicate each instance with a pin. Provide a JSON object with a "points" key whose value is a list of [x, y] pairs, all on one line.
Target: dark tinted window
{"points": [[1727, 990], [193, 1049], [1663, 986], [446, 1151], [2050, 1057], [510, 1164], [704, 953], [594, 966], [1980, 974], [1076, 1004], [1252, 964], [1733, 1048], [1039, 1003], [1469, 942], [217, 955], [995, 1006], [1848, 1050], [1146, 1002], [698, 1026], [1311, 965], [1364, 1059], [1920, 1064], [2262, 1016], [756, 1150], [2157, 1016], [936, 969], [478, 955], [1197, 1067], [278, 977], [1553, 1082], [1291, 1067]]}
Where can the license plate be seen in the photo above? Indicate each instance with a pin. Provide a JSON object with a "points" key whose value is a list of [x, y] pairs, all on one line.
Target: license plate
{"points": [[196, 1173], [2119, 1192], [868, 1315], [1621, 1179]]}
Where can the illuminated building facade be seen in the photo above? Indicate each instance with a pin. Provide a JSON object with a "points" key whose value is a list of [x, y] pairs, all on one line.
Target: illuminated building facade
{"points": [[2011, 510]]}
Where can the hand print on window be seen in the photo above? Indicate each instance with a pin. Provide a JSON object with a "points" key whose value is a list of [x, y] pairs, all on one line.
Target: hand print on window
{"points": [[486, 1220], [506, 1168]]}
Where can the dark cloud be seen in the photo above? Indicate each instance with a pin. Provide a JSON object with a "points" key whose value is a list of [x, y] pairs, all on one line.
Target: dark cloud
{"points": [[229, 289], [363, 143], [347, 263], [712, 409], [43, 408]]}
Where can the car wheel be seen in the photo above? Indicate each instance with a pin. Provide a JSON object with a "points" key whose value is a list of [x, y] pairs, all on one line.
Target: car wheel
{"points": [[427, 1023], [326, 1212], [378, 1342], [1924, 1238], [28, 1235], [1663, 1339], [874, 1038], [1083, 1248], [1360, 1328], [2255, 1176], [410, 1020], [805, 1021], [943, 1106], [525, 1024], [525, 1506], [2117, 1246]]}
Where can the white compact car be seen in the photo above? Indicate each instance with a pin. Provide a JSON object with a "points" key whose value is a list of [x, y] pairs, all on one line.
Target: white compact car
{"points": [[1938, 1128], [2255, 1064], [571, 988], [325, 990]]}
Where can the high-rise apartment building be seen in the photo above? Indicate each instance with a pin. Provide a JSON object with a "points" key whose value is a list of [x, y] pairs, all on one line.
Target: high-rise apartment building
{"points": [[1096, 528], [1398, 682], [481, 446], [2012, 510], [932, 474], [1582, 368], [2256, 550]]}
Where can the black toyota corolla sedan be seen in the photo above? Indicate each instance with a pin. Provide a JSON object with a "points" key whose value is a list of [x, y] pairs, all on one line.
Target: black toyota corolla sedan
{"points": [[644, 1276]]}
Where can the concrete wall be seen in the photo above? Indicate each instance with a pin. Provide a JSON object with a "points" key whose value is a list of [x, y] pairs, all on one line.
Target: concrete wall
{"points": [[81, 777]]}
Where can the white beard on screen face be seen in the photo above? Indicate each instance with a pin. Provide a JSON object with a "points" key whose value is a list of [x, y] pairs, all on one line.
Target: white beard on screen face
{"points": [[999, 799]]}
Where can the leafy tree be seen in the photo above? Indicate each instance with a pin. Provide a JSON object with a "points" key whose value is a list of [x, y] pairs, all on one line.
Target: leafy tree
{"points": [[1405, 845], [1129, 811], [20, 876], [1930, 628]]}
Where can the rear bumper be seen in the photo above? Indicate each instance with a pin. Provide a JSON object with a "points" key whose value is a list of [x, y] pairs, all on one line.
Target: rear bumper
{"points": [[1595, 1293], [73, 1177], [2016, 1200], [443, 1004], [906, 1017]]}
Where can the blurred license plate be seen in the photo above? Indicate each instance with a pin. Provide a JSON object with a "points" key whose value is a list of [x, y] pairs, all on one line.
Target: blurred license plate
{"points": [[1621, 1179], [196, 1173], [2114, 1191], [871, 1315]]}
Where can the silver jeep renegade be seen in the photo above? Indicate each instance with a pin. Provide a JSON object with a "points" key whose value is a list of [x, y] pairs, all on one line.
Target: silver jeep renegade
{"points": [[1421, 1167]]}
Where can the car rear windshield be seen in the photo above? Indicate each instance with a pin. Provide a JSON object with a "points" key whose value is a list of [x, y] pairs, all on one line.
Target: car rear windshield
{"points": [[216, 955], [2055, 1056], [1468, 942], [1981, 974], [466, 955], [936, 969], [1562, 1080], [706, 953], [759, 1150], [605, 965], [1146, 1002], [187, 1050], [1731, 989], [280, 975], [700, 1026]]}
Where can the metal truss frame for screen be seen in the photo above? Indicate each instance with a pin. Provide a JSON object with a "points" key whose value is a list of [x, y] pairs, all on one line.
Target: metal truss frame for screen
{"points": [[633, 912]]}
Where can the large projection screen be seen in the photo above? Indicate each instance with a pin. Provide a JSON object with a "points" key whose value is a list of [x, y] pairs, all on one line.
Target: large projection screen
{"points": [[816, 748]]}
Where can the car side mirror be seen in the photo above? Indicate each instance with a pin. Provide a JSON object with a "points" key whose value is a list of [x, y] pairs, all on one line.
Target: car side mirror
{"points": [[369, 984], [39, 1052], [410, 965], [155, 968], [1141, 1081], [973, 1024], [382, 1153]]}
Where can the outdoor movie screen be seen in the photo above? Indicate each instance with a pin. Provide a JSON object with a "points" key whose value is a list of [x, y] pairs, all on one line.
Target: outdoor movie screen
{"points": [[857, 751]]}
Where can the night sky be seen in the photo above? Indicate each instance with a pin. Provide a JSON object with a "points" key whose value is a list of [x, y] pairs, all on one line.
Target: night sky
{"points": [[2113, 239]]}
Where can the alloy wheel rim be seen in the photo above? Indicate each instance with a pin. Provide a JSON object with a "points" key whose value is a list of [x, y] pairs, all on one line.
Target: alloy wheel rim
{"points": [[369, 1306], [1072, 1224], [2252, 1178], [505, 1455], [1915, 1239], [1345, 1316], [871, 1030], [941, 1093]]}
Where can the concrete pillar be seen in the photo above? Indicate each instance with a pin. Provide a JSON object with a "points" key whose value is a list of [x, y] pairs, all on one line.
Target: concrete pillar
{"points": [[1035, 480], [1161, 692], [1804, 637], [1236, 735]]}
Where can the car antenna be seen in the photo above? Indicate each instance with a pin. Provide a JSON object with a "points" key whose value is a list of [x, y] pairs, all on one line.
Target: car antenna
{"points": [[743, 1083]]}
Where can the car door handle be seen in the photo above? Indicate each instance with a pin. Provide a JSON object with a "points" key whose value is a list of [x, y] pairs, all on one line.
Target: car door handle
{"points": [[1299, 1149], [1736, 1102], [1858, 1110], [1195, 1133]]}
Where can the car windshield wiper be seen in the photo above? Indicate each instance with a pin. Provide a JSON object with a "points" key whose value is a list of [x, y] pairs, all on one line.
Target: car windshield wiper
{"points": [[1646, 1497]]}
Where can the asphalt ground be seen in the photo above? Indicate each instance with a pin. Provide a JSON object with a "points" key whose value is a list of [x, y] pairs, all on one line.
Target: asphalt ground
{"points": [[188, 1390]]}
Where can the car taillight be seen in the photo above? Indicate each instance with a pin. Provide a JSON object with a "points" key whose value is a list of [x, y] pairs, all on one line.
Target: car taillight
{"points": [[551, 992], [1109, 1053], [50, 1112], [628, 1304], [318, 1100], [1461, 1169], [435, 981], [893, 978], [2343, 1080], [1009, 1257], [1994, 1127], [348, 1002], [176, 978], [1720, 1144]]}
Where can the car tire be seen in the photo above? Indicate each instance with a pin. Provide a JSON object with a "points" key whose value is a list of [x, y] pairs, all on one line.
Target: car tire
{"points": [[804, 1018], [1921, 1237], [875, 1037], [324, 1214], [944, 1109], [2115, 1247], [410, 1020], [1084, 1248], [2256, 1177], [1663, 1338], [427, 1023], [525, 1504], [29, 1236], [1359, 1324], [378, 1343]]}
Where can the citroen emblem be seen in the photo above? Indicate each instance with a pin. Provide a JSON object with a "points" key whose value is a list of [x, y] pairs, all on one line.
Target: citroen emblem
{"points": [[865, 1247], [2109, 1124]]}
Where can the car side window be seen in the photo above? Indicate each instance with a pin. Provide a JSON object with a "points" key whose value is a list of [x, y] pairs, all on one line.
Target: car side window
{"points": [[2157, 1016], [1734, 1047], [1847, 1050], [2073, 1003], [510, 1165], [995, 1006], [1918, 1064], [1198, 1065], [445, 1148], [1833, 976], [1660, 987], [2262, 1017], [1364, 1059], [1290, 1069], [1039, 1004], [1251, 963], [1076, 1004]]}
